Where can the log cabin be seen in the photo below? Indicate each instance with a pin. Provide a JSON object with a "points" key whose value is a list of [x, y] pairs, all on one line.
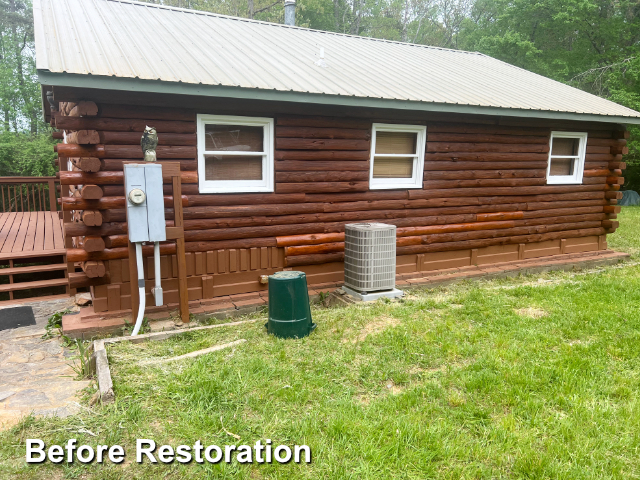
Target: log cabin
{"points": [[284, 134]]}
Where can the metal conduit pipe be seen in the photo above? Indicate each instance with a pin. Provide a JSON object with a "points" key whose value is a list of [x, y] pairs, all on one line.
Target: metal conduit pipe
{"points": [[290, 12]]}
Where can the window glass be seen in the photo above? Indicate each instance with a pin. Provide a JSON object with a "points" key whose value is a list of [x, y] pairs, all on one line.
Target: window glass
{"points": [[237, 138], [566, 158], [562, 166], [565, 146], [397, 157], [235, 154]]}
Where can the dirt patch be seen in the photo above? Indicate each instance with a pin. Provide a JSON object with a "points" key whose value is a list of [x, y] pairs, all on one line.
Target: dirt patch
{"points": [[531, 312], [255, 474], [393, 388], [410, 296], [442, 297], [540, 282], [426, 314], [379, 325], [442, 368], [362, 399]]}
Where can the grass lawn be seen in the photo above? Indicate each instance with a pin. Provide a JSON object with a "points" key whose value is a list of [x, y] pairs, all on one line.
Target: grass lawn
{"points": [[534, 377]]}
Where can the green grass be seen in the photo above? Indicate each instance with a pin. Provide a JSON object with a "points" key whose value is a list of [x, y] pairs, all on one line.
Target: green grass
{"points": [[533, 377], [627, 237]]}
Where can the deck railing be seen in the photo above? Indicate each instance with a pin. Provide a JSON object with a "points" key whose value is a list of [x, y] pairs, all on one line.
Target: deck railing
{"points": [[28, 194]]}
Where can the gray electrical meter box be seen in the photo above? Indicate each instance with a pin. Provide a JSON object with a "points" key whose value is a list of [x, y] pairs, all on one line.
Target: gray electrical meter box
{"points": [[145, 202]]}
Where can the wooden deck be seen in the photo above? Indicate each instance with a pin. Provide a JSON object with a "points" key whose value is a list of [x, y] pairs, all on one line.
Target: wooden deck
{"points": [[35, 240], [33, 234]]}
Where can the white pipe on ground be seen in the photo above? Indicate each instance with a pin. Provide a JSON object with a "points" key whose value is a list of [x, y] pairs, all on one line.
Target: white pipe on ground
{"points": [[141, 292]]}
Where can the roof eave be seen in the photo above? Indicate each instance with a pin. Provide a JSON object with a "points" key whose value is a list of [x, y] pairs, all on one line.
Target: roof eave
{"points": [[156, 86]]}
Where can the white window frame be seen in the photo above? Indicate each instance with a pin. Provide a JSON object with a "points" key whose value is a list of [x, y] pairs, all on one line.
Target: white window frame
{"points": [[236, 186], [418, 162], [578, 169]]}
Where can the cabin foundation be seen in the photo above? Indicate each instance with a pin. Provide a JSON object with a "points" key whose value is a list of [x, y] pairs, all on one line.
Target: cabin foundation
{"points": [[88, 322]]}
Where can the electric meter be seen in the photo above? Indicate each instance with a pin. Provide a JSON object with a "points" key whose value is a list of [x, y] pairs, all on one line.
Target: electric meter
{"points": [[137, 196]]}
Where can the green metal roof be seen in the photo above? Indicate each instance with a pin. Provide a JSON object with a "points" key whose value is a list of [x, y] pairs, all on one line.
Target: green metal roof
{"points": [[126, 45]]}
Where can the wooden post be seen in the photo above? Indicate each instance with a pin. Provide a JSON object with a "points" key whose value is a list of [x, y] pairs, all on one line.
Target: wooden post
{"points": [[66, 218], [133, 278], [53, 204], [180, 249], [11, 264]]}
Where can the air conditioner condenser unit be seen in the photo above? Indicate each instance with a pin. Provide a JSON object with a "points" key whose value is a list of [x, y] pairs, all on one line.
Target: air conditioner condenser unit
{"points": [[370, 261]]}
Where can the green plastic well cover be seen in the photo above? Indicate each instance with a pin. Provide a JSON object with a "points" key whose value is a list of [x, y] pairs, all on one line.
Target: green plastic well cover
{"points": [[289, 310]]}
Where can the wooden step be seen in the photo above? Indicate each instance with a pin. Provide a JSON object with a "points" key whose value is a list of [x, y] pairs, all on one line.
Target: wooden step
{"points": [[12, 287], [35, 253], [33, 269]]}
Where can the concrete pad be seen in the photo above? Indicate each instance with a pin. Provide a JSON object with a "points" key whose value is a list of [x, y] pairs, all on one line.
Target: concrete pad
{"points": [[370, 297]]}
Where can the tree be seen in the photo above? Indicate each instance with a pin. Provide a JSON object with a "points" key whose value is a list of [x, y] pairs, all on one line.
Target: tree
{"points": [[25, 140], [265, 10], [593, 45]]}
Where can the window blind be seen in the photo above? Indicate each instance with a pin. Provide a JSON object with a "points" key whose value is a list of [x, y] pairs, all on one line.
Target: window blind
{"points": [[397, 167], [396, 142], [232, 168]]}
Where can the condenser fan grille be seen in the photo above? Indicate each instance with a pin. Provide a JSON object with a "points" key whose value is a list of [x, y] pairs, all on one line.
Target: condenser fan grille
{"points": [[370, 257]]}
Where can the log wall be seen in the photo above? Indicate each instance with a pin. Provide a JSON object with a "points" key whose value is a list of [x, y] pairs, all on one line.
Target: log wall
{"points": [[484, 200]]}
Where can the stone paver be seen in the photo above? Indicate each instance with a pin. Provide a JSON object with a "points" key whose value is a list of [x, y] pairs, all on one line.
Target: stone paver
{"points": [[35, 375]]}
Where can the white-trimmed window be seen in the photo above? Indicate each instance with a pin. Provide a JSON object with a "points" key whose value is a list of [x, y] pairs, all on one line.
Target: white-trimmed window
{"points": [[235, 154], [566, 157], [397, 156]]}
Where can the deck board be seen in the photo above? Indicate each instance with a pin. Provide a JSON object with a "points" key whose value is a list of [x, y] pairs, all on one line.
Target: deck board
{"points": [[58, 236], [39, 241], [48, 233], [6, 228], [22, 233], [13, 233], [30, 233], [3, 220]]}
